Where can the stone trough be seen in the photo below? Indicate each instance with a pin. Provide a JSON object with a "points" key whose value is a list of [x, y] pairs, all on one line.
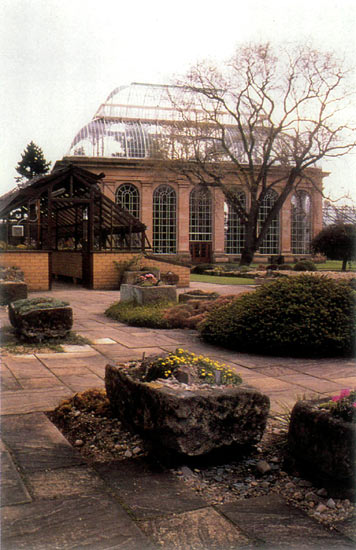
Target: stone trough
{"points": [[187, 420]]}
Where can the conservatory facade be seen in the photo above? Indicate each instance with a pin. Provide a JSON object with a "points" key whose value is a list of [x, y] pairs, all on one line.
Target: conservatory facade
{"points": [[183, 220]]}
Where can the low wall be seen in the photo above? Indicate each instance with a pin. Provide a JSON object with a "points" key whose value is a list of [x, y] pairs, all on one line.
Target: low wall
{"points": [[68, 263], [35, 265], [106, 276]]}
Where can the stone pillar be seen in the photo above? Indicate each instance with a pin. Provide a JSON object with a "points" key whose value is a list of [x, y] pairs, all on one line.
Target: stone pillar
{"points": [[147, 208], [317, 212], [183, 219], [285, 222], [218, 223]]}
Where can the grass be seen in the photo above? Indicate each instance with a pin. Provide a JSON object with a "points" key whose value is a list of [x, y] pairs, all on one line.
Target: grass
{"points": [[10, 343], [149, 315], [334, 265], [220, 280]]}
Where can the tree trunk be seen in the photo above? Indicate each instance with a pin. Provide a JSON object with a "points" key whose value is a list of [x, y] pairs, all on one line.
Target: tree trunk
{"points": [[344, 265], [247, 255]]}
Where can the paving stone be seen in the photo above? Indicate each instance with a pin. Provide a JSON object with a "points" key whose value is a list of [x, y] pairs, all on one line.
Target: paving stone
{"points": [[66, 482], [8, 380], [148, 490], [96, 522], [13, 490], [26, 401], [272, 521], [203, 529], [347, 528], [38, 383], [76, 349], [82, 382], [29, 367], [36, 444]]}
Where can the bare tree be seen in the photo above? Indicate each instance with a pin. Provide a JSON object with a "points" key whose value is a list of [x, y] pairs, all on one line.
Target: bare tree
{"points": [[264, 120]]}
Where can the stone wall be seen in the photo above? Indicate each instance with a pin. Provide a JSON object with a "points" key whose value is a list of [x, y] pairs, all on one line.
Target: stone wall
{"points": [[35, 265]]}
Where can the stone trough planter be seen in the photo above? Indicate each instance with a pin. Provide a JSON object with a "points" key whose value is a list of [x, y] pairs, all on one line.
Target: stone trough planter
{"points": [[147, 294], [187, 421], [38, 319], [323, 448], [197, 295]]}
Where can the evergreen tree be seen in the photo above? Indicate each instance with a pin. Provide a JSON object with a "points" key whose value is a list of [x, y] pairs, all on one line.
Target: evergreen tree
{"points": [[32, 163]]}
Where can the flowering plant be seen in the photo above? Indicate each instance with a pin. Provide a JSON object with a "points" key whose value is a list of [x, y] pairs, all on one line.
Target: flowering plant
{"points": [[342, 405], [206, 370], [147, 280]]}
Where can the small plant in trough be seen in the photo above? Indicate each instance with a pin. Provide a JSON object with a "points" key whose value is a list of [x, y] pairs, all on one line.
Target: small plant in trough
{"points": [[204, 369], [342, 405]]}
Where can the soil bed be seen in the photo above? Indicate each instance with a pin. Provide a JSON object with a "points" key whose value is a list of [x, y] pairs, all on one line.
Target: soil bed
{"points": [[99, 437]]}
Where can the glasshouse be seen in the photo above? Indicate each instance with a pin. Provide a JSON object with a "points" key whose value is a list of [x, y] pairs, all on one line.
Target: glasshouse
{"points": [[130, 183], [128, 139]]}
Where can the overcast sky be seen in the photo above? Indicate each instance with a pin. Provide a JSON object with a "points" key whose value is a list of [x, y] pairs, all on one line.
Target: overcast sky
{"points": [[61, 58]]}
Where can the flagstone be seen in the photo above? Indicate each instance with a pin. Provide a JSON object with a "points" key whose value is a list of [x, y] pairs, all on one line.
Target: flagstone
{"points": [[26, 401]]}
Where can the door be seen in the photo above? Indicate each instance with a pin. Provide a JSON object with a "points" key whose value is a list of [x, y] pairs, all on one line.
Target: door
{"points": [[200, 252]]}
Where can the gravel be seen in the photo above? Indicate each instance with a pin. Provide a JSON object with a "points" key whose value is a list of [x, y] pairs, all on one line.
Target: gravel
{"points": [[103, 439]]}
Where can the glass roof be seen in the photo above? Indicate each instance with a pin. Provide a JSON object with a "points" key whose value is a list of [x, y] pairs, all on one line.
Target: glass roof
{"points": [[130, 121]]}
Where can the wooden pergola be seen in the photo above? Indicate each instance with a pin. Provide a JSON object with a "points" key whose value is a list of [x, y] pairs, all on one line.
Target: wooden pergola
{"points": [[67, 210]]}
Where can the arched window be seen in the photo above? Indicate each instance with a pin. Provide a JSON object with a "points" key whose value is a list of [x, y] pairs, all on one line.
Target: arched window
{"points": [[164, 220], [128, 197], [234, 229], [301, 223], [270, 244], [200, 215]]}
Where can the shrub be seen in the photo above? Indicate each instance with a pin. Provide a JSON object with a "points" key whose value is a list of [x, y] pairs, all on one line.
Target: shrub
{"points": [[305, 265], [190, 314], [297, 316], [149, 315], [285, 267], [201, 268]]}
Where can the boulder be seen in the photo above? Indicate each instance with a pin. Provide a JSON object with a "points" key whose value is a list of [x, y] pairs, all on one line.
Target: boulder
{"points": [[11, 291], [187, 420], [38, 319]]}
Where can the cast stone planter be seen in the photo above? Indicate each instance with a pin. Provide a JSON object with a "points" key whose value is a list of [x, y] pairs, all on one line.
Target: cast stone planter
{"points": [[322, 446], [147, 294], [187, 421]]}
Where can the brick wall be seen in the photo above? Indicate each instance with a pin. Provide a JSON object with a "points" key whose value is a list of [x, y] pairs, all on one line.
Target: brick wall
{"points": [[34, 264], [67, 263], [105, 274]]}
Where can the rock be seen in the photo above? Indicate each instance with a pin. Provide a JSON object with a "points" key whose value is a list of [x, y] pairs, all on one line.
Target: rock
{"points": [[263, 467], [79, 443], [298, 495], [311, 496], [187, 472], [265, 484], [128, 454], [136, 450], [321, 508], [38, 319], [322, 492], [331, 504], [192, 422], [305, 483]]}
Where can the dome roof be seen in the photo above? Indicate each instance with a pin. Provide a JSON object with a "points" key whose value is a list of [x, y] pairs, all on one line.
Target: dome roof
{"points": [[126, 124], [130, 121]]}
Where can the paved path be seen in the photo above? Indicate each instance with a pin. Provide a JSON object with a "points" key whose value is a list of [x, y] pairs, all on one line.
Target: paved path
{"points": [[52, 500]]}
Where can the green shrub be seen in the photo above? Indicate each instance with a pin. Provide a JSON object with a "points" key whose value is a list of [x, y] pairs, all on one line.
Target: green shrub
{"points": [[285, 267], [149, 315], [201, 268], [297, 316], [305, 265]]}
